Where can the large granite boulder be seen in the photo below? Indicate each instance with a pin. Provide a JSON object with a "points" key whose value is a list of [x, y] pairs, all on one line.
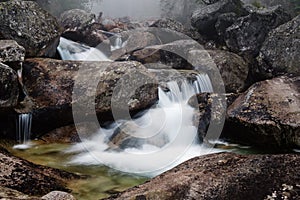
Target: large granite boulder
{"points": [[223, 176], [233, 68], [267, 115], [205, 18], [50, 83], [280, 52], [9, 89], [81, 26], [248, 33], [11, 53], [29, 25], [31, 179]]}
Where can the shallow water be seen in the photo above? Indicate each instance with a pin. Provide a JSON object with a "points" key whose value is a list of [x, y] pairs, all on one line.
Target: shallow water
{"points": [[101, 181]]}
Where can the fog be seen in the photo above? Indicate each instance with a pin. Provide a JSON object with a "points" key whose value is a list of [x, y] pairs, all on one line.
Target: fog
{"points": [[136, 9]]}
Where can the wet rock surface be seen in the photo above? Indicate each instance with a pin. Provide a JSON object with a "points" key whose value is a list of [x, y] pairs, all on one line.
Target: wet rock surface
{"points": [[58, 195], [9, 90], [11, 53], [31, 179], [267, 115], [29, 25], [221, 176], [50, 84], [280, 52], [7, 193]]}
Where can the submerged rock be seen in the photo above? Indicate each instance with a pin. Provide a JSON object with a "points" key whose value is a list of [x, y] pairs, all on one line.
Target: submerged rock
{"points": [[267, 115], [7, 193], [31, 179], [248, 33], [58, 195], [221, 176], [50, 83], [32, 27], [280, 52]]}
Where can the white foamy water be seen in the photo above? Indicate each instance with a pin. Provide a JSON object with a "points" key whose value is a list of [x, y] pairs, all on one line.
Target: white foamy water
{"points": [[158, 140], [70, 50], [23, 131], [166, 135]]}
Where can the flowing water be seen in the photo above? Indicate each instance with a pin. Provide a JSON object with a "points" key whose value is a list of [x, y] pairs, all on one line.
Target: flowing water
{"points": [[160, 139], [23, 130]]}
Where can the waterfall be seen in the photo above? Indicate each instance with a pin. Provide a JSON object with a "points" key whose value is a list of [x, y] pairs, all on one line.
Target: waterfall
{"points": [[23, 130], [118, 43], [157, 141], [70, 50]]}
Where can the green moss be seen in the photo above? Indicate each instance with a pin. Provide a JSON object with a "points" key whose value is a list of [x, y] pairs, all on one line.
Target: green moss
{"points": [[257, 4]]}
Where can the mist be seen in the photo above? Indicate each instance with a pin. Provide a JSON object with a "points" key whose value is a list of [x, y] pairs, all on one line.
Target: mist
{"points": [[135, 9]]}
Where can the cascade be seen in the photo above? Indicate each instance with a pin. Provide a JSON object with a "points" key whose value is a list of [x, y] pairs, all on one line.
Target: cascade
{"points": [[118, 43], [153, 142], [157, 141], [23, 130], [70, 50]]}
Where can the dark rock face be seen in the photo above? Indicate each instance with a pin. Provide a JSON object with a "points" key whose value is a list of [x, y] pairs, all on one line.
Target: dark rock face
{"points": [[205, 18], [50, 84], [29, 178], [267, 115], [221, 176], [9, 90], [248, 33], [33, 28], [11, 53], [280, 52], [82, 27], [6, 193], [233, 69], [288, 5]]}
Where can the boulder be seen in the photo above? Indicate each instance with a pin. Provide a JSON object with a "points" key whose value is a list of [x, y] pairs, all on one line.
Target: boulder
{"points": [[9, 89], [210, 109], [58, 195], [267, 115], [205, 18], [29, 25], [29, 178], [167, 23], [222, 176], [233, 68], [280, 52], [248, 33], [50, 83], [11, 53], [81, 26]]}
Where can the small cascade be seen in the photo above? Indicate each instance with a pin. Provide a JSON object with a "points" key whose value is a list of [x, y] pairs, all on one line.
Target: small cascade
{"points": [[70, 50], [23, 130], [118, 43], [157, 141]]}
